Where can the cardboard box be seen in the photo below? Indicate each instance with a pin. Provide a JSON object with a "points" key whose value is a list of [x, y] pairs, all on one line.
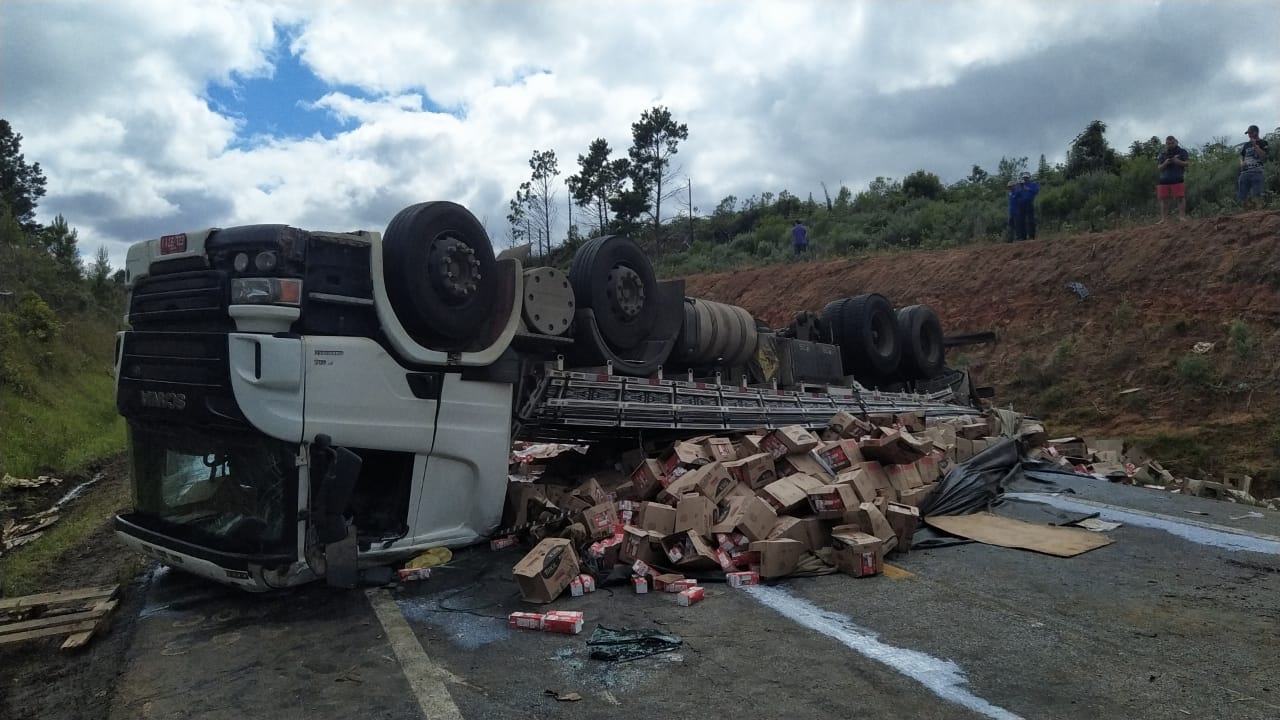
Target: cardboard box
{"points": [[742, 579], [784, 496], [547, 570], [755, 471], [869, 519], [751, 516], [525, 501], [910, 421], [856, 553], [661, 582], [916, 496], [739, 490], [600, 520], [830, 502], [692, 596], [789, 528], [804, 464], [640, 544], [896, 447], [975, 429], [590, 492], [903, 478], [605, 552], [840, 455], [648, 478], [692, 551], [719, 449], [796, 439], [904, 519], [684, 454], [847, 426], [657, 517], [869, 481], [778, 558], [928, 470], [749, 445], [806, 482], [817, 532], [695, 513], [711, 480]]}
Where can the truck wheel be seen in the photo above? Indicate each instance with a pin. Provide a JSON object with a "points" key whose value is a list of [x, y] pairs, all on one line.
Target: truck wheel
{"points": [[920, 334], [612, 276], [866, 331], [440, 272]]}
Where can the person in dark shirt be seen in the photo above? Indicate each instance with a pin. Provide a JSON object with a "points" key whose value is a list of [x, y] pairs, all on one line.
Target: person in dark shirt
{"points": [[1252, 155], [799, 238], [1172, 162], [1017, 229], [1027, 201]]}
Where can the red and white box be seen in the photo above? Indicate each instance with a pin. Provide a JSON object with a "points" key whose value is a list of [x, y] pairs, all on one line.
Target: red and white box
{"points": [[726, 562], [564, 622], [742, 579], [679, 586], [410, 574], [588, 583], [692, 596], [640, 584], [526, 620], [642, 569], [661, 582], [502, 543]]}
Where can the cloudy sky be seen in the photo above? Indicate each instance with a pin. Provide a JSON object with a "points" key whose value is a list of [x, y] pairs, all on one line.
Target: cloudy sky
{"points": [[152, 117]]}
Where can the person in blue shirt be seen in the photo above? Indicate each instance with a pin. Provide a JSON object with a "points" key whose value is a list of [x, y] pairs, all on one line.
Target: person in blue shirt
{"points": [[799, 238], [1027, 205], [1017, 221]]}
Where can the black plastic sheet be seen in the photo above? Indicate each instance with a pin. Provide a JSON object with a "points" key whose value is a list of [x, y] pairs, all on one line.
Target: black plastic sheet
{"points": [[622, 645]]}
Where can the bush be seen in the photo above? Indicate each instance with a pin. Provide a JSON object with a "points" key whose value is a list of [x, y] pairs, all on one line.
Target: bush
{"points": [[36, 320], [1194, 370], [1242, 340]]}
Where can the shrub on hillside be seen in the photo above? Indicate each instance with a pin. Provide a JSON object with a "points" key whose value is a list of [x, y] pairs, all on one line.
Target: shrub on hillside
{"points": [[35, 319]]}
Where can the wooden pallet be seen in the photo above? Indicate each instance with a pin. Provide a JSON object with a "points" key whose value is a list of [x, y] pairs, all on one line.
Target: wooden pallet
{"points": [[78, 614]]}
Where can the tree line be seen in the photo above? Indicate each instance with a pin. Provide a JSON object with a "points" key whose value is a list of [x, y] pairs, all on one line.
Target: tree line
{"points": [[45, 285], [1095, 187]]}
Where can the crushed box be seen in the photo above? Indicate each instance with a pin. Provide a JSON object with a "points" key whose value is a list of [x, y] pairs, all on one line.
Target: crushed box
{"points": [[778, 558], [829, 502], [751, 516], [657, 517], [856, 553], [904, 519], [695, 513], [755, 471], [784, 495], [547, 570]]}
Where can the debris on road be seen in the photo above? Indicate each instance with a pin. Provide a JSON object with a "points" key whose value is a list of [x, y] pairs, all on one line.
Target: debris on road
{"points": [[9, 481], [990, 529], [623, 645], [563, 697], [1094, 524], [78, 614]]}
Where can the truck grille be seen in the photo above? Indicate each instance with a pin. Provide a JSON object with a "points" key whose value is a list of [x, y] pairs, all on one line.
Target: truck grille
{"points": [[194, 300], [183, 377]]}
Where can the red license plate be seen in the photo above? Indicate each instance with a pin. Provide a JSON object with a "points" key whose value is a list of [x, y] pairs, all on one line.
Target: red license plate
{"points": [[170, 244]]}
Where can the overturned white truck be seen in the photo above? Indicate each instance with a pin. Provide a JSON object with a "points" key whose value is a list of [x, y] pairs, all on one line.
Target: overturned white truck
{"points": [[301, 404]]}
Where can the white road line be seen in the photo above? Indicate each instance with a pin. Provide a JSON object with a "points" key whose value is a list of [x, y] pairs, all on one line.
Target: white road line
{"points": [[426, 679], [942, 677], [1203, 533]]}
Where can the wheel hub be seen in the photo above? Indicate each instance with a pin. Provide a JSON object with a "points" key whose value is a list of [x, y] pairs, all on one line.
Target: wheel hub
{"points": [[453, 267], [625, 290]]}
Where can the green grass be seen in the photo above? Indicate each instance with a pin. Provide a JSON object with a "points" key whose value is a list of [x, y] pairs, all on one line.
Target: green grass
{"points": [[25, 570], [61, 423]]}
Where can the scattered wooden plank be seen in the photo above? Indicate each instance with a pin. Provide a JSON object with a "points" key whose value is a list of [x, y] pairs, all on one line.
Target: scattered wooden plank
{"points": [[97, 611], [83, 626], [80, 639], [101, 592]]}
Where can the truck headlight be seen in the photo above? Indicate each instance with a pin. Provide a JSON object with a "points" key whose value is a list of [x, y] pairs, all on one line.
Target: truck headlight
{"points": [[266, 291]]}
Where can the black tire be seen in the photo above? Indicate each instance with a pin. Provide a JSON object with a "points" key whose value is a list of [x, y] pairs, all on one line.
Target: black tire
{"points": [[866, 331], [920, 335], [624, 323], [422, 245]]}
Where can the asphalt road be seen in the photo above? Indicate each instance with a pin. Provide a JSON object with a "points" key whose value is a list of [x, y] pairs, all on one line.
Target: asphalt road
{"points": [[1172, 620]]}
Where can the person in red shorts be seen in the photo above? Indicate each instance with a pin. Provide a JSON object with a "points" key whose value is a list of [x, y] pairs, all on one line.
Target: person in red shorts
{"points": [[1172, 162]]}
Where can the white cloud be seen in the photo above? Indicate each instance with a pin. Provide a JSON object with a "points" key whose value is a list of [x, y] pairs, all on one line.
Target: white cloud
{"points": [[111, 98]]}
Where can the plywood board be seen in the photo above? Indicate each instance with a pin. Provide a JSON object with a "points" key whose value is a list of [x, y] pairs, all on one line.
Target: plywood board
{"points": [[992, 529]]}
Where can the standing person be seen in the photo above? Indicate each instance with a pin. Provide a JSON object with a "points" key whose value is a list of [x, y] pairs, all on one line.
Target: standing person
{"points": [[799, 238], [1172, 162], [1017, 229], [1252, 154], [1030, 189]]}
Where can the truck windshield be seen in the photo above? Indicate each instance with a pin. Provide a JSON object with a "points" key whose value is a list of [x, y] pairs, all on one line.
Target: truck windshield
{"points": [[229, 492]]}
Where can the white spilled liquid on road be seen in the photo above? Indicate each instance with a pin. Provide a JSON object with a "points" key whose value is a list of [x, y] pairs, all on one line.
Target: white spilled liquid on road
{"points": [[942, 677], [1196, 532]]}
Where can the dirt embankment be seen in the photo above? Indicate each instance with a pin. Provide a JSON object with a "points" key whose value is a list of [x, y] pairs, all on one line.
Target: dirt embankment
{"points": [[1153, 293]]}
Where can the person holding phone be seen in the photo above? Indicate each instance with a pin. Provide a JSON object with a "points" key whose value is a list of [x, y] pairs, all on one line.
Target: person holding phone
{"points": [[1252, 155], [1172, 163]]}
